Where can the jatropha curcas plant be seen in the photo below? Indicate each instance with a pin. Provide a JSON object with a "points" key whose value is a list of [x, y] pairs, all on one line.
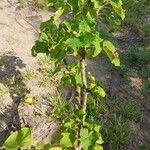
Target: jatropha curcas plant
{"points": [[78, 36]]}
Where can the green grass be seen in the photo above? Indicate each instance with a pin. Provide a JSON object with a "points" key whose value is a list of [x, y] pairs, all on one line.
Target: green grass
{"points": [[135, 12], [130, 111], [37, 3], [147, 84], [118, 132], [2, 61], [3, 90], [28, 75], [60, 107]]}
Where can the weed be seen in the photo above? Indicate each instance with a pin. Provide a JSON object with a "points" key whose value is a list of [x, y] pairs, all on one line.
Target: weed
{"points": [[130, 111], [118, 133], [28, 75], [144, 147], [60, 107], [37, 3], [3, 90], [96, 108], [147, 84], [45, 61], [2, 61], [135, 10]]}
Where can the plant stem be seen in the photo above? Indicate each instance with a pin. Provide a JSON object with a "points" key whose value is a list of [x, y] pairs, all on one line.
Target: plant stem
{"points": [[84, 79]]}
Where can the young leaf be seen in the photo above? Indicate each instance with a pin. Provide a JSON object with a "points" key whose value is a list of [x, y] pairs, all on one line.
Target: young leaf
{"points": [[58, 13], [21, 138], [74, 43], [65, 140], [111, 53], [98, 147], [84, 27], [84, 137], [99, 91], [107, 44], [55, 148]]}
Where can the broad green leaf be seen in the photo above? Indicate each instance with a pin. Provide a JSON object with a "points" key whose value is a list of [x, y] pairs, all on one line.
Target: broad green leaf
{"points": [[91, 86], [96, 50], [84, 27], [86, 39], [120, 11], [107, 44], [69, 123], [78, 79], [100, 140], [99, 91], [98, 147], [58, 13], [43, 146], [111, 53], [48, 27], [55, 148], [74, 43], [116, 60], [96, 4], [74, 6], [84, 138], [91, 77], [65, 140], [117, 6], [21, 138]]}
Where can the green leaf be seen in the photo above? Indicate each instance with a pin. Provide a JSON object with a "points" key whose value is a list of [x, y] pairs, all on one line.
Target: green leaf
{"points": [[74, 43], [96, 43], [40, 47], [91, 86], [91, 77], [120, 11], [100, 140], [78, 79], [74, 6], [84, 138], [58, 13], [99, 91], [111, 53], [86, 39], [117, 6], [65, 140], [84, 27], [55, 148], [69, 123], [21, 138], [107, 44], [98, 147]]}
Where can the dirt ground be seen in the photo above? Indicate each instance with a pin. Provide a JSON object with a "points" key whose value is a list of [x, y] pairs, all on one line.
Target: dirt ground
{"points": [[18, 30]]}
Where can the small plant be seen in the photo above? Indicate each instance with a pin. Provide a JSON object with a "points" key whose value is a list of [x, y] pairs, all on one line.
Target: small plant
{"points": [[2, 61], [45, 62], [130, 111], [78, 36], [144, 147], [118, 133], [60, 107], [96, 108], [3, 90], [21, 139], [28, 75]]}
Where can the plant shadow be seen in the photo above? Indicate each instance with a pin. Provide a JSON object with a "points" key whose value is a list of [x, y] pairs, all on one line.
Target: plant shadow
{"points": [[11, 78]]}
